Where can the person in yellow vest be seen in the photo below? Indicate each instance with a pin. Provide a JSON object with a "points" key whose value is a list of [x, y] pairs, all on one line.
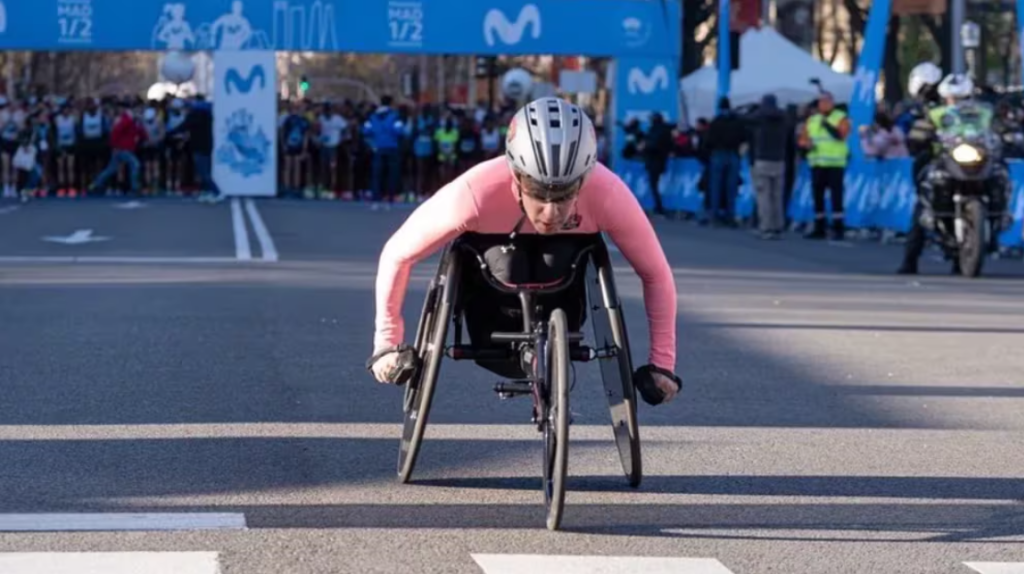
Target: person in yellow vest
{"points": [[447, 138], [824, 137]]}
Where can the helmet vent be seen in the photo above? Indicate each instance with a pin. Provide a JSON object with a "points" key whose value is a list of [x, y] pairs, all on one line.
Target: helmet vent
{"points": [[542, 167]]}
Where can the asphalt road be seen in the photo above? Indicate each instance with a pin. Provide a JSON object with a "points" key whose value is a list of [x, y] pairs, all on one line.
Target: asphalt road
{"points": [[188, 379]]}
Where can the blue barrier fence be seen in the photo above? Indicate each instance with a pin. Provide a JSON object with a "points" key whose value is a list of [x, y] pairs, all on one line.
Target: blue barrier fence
{"points": [[878, 193]]}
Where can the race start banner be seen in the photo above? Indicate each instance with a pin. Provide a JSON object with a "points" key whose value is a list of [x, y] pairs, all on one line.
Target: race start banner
{"points": [[562, 27], [245, 123]]}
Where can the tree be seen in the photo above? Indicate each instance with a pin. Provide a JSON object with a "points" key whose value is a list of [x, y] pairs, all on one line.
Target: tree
{"points": [[697, 14]]}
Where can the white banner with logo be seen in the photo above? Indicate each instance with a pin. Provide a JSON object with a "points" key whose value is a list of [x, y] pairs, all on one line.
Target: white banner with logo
{"points": [[245, 122]]}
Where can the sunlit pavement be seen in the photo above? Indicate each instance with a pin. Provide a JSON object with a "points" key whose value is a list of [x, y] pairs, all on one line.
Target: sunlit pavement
{"points": [[189, 379]]}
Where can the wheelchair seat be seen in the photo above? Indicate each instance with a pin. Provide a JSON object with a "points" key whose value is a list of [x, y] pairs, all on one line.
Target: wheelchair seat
{"points": [[529, 261], [536, 262]]}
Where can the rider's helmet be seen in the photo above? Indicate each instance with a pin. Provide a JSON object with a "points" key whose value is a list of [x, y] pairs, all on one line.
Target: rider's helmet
{"points": [[956, 87], [924, 76], [551, 147]]}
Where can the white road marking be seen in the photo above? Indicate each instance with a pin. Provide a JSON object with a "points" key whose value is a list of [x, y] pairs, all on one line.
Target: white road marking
{"points": [[77, 238], [996, 567], [242, 250], [130, 205], [262, 234], [116, 259], [109, 562], [8, 209], [118, 521], [540, 564]]}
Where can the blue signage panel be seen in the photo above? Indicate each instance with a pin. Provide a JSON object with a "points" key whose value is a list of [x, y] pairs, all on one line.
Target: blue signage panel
{"points": [[869, 65], [643, 86], [638, 28]]}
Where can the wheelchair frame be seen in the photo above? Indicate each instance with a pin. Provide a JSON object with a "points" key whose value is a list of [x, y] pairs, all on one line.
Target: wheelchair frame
{"points": [[543, 351]]}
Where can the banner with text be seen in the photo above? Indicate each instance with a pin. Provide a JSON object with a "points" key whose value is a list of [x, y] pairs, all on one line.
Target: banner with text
{"points": [[245, 123], [642, 86], [617, 28]]}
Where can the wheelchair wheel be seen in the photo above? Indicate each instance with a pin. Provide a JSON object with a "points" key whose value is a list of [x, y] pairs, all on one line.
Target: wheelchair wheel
{"points": [[430, 341], [556, 418], [609, 327]]}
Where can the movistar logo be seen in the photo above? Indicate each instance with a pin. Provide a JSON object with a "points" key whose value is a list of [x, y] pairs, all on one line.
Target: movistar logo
{"points": [[510, 33], [3, 17], [233, 78], [638, 81]]}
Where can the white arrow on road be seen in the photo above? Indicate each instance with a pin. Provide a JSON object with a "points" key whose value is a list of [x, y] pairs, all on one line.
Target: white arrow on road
{"points": [[130, 205], [10, 209], [76, 238]]}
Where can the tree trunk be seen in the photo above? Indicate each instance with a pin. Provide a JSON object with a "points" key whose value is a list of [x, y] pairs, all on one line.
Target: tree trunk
{"points": [[695, 14], [858, 17], [891, 69], [939, 29]]}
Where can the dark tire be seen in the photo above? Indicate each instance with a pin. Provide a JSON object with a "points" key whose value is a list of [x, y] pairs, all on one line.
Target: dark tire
{"points": [[972, 250], [626, 425], [556, 419], [430, 342], [609, 327]]}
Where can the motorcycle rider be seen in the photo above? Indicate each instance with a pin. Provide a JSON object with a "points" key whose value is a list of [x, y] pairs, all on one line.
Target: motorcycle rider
{"points": [[925, 86]]}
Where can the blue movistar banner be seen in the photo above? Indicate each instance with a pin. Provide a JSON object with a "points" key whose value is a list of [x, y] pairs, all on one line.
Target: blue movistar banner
{"points": [[869, 64], [638, 28]]}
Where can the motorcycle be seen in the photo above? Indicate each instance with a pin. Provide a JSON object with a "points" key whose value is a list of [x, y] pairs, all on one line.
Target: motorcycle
{"points": [[964, 206]]}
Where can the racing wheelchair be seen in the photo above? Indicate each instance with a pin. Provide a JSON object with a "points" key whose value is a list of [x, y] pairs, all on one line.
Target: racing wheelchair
{"points": [[479, 286]]}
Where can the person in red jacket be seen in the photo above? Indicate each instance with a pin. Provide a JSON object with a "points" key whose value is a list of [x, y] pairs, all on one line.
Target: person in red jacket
{"points": [[125, 137]]}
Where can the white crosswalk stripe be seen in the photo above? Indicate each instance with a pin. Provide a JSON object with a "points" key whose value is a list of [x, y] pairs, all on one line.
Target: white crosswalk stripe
{"points": [[114, 521], [996, 567], [109, 562], [544, 564]]}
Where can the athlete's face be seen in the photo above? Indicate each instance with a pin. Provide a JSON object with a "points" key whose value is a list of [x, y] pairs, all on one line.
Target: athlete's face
{"points": [[548, 217], [547, 210]]}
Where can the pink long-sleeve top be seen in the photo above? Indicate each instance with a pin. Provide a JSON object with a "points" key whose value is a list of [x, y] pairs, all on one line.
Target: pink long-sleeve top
{"points": [[483, 200]]}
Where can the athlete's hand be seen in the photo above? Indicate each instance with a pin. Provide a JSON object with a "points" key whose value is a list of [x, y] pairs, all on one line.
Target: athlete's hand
{"points": [[386, 367], [666, 386]]}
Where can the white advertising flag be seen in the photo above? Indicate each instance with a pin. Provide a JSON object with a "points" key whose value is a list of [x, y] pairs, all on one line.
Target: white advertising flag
{"points": [[245, 122]]}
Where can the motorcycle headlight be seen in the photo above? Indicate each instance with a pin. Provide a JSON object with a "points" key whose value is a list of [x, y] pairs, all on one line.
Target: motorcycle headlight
{"points": [[964, 153]]}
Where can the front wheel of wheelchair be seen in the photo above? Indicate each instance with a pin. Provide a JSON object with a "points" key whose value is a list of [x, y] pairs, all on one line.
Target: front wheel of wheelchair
{"points": [[431, 335], [556, 418]]}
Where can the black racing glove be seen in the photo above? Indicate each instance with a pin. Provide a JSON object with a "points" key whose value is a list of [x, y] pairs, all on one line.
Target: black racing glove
{"points": [[643, 380], [407, 367]]}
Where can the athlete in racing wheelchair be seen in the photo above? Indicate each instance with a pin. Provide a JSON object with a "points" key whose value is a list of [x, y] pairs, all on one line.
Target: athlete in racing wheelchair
{"points": [[523, 262]]}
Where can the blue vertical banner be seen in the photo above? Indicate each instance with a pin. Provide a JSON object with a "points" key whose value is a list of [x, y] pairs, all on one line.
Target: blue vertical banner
{"points": [[643, 86], [724, 53], [1014, 235], [869, 64], [245, 122]]}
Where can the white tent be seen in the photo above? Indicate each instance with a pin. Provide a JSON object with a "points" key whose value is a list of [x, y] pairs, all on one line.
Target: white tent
{"points": [[769, 63]]}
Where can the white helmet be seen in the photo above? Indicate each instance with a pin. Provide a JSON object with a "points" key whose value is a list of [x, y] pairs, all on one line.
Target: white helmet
{"points": [[552, 143], [923, 74], [956, 86]]}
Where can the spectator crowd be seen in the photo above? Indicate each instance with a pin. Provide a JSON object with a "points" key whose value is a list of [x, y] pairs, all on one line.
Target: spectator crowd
{"points": [[385, 153], [381, 152], [774, 141]]}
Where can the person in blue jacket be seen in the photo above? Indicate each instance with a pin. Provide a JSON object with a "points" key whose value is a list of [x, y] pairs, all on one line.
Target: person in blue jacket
{"points": [[383, 131]]}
